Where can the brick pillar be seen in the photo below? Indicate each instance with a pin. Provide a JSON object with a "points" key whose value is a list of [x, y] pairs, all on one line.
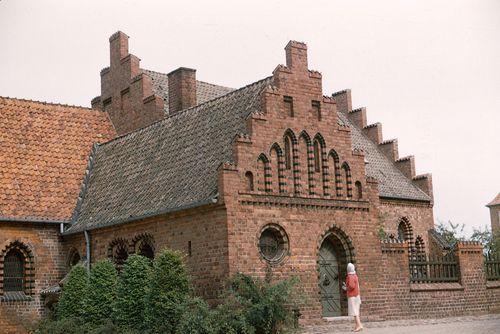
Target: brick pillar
{"points": [[395, 280], [296, 55], [472, 277], [181, 89]]}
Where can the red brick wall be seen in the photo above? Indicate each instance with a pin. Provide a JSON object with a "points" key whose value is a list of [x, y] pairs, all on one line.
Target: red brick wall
{"points": [[402, 299], [419, 215], [205, 228], [44, 243]]}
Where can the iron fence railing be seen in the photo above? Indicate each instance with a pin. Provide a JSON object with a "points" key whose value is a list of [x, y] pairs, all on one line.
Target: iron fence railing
{"points": [[492, 267], [434, 269]]}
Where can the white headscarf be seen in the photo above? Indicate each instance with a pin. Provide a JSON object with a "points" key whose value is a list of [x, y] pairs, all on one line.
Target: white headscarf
{"points": [[350, 268]]}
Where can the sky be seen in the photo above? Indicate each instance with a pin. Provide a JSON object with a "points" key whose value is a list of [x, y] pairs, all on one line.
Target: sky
{"points": [[428, 70]]}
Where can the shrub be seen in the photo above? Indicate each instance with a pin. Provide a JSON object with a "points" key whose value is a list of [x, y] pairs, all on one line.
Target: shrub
{"points": [[268, 307], [101, 293], [71, 301], [66, 325], [229, 317], [131, 292], [196, 318], [168, 291]]}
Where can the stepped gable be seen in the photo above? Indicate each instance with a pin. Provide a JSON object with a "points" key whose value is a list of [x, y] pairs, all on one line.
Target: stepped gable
{"points": [[396, 177], [170, 165], [204, 91], [44, 152]]}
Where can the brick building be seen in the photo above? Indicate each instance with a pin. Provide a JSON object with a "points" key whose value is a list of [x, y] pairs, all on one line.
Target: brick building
{"points": [[494, 207], [273, 177]]}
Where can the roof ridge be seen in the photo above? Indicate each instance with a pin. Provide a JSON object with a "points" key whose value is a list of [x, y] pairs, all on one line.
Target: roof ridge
{"points": [[181, 112], [46, 103]]}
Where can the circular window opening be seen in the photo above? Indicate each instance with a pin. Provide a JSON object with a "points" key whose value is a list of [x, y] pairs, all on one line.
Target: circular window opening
{"points": [[273, 244]]}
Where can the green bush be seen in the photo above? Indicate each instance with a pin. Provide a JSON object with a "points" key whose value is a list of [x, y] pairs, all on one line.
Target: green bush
{"points": [[168, 291], [229, 317], [131, 291], [268, 307], [101, 293], [71, 301], [66, 325], [196, 318]]}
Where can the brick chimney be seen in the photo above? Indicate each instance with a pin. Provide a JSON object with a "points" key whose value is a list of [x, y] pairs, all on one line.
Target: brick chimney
{"points": [[181, 89], [296, 55]]}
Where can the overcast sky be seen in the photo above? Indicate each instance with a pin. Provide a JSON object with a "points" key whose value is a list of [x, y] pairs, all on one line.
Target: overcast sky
{"points": [[429, 71]]}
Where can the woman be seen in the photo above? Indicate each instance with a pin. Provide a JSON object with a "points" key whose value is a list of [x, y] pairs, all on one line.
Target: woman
{"points": [[351, 285]]}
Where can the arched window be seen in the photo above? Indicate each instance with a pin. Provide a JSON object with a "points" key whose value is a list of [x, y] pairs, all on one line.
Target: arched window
{"points": [[143, 244], [306, 163], [405, 231], [277, 169], [13, 271], [419, 245], [359, 190], [17, 269], [264, 173], [291, 172], [317, 157], [288, 153], [73, 258], [249, 180], [347, 178], [118, 252], [336, 177]]}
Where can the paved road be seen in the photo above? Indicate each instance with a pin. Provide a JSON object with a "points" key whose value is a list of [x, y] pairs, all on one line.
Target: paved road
{"points": [[466, 325]]}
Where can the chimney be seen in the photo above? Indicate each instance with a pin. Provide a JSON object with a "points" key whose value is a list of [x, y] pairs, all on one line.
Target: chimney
{"points": [[296, 55], [181, 89], [118, 44]]}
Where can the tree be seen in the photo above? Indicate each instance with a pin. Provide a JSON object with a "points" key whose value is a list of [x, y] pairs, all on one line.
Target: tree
{"points": [[131, 292], [71, 303], [101, 293], [452, 233], [489, 240], [167, 293]]}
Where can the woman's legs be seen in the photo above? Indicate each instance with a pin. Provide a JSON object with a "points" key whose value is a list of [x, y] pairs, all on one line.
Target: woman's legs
{"points": [[358, 323]]}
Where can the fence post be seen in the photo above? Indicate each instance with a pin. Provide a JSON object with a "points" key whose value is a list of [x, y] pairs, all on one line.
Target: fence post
{"points": [[472, 277]]}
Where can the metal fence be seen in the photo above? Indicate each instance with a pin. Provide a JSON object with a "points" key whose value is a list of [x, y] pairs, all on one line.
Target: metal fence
{"points": [[434, 269], [492, 267]]}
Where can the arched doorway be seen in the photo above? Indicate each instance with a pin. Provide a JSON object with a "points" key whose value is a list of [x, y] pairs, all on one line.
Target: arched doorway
{"points": [[334, 254]]}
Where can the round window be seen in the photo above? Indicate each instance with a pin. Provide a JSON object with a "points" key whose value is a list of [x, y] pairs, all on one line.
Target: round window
{"points": [[273, 244]]}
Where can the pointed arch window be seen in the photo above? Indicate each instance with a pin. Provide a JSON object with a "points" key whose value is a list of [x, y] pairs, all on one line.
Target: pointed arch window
{"points": [[336, 177], [288, 153], [249, 180], [347, 178], [317, 156], [264, 173], [359, 190], [13, 271]]}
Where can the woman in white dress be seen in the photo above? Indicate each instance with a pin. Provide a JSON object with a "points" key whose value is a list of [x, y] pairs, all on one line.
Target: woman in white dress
{"points": [[351, 285]]}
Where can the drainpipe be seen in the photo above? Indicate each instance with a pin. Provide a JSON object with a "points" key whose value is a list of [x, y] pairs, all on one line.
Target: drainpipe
{"points": [[87, 247]]}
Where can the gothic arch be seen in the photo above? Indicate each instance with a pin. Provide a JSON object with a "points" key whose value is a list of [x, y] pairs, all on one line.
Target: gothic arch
{"points": [[118, 252], [419, 245], [405, 231], [337, 176], [143, 244], [264, 173], [306, 161], [291, 153], [277, 168], [26, 280], [73, 258], [321, 161], [347, 178], [346, 241]]}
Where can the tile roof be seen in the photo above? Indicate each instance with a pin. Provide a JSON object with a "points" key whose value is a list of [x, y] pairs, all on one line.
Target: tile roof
{"points": [[44, 151], [168, 165], [204, 91], [495, 201], [391, 182], [172, 164]]}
